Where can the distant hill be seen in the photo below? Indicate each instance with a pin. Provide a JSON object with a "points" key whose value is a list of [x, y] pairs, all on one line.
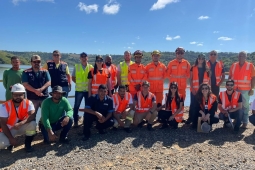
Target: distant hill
{"points": [[72, 58]]}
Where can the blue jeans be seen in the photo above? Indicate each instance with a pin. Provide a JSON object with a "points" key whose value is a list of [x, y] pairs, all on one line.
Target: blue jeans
{"points": [[77, 102], [66, 89], [57, 126], [246, 99], [237, 115]]}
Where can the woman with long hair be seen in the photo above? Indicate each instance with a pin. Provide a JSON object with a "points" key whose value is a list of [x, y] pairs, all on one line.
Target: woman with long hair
{"points": [[205, 106], [173, 113], [97, 76], [199, 73]]}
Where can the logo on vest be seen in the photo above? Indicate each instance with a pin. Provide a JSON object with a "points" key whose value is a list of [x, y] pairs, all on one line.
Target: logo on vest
{"points": [[106, 104]]}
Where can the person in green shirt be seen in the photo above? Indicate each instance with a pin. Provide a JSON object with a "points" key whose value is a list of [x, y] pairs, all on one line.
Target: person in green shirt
{"points": [[53, 118], [12, 76]]}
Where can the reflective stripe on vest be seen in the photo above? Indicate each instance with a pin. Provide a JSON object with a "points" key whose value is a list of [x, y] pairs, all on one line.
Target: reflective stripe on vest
{"points": [[82, 77], [226, 104], [124, 72], [98, 79], [212, 98], [242, 81], [121, 105], [144, 105], [179, 116], [217, 71], [195, 78]]}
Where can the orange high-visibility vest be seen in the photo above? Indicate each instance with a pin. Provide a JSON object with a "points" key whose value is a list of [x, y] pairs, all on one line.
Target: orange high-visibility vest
{"points": [[173, 104], [136, 75], [113, 71], [195, 78], [211, 100], [179, 72], [241, 75], [155, 76], [121, 104], [143, 105], [226, 104], [218, 70], [99, 79], [21, 114]]}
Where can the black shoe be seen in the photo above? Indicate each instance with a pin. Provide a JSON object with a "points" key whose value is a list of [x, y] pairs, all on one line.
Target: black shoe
{"points": [[140, 125], [114, 128], [128, 130], [46, 142], [29, 149], [187, 122], [165, 125], [76, 125], [10, 148], [102, 131], [64, 140], [85, 138], [149, 127]]}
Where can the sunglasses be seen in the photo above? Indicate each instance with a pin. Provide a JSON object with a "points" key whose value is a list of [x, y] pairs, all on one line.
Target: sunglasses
{"points": [[229, 84], [201, 58], [213, 54], [99, 61], [36, 62], [173, 87], [56, 55], [180, 53], [205, 88]]}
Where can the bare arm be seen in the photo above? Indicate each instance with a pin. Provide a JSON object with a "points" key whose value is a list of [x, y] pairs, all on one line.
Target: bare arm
{"points": [[5, 129], [45, 85], [252, 82], [222, 78], [29, 87], [74, 79], [30, 118], [154, 107]]}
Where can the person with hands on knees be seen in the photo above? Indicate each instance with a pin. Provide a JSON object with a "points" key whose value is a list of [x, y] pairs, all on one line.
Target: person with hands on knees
{"points": [[123, 104], [99, 108], [17, 118], [230, 106], [173, 113], [53, 119], [205, 107]]}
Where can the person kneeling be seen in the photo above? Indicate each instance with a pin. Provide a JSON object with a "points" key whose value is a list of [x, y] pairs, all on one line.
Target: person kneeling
{"points": [[230, 106], [123, 104], [99, 108], [146, 106], [52, 118], [205, 107], [173, 113]]}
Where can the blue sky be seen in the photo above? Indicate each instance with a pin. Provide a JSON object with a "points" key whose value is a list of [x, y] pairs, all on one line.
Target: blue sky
{"points": [[113, 26]]}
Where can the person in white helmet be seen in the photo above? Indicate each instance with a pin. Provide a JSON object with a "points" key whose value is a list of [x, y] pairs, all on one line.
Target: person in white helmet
{"points": [[17, 118]]}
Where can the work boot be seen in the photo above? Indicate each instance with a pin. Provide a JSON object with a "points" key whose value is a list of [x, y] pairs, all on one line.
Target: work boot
{"points": [[10, 148], [165, 125], [149, 127], [28, 142], [64, 140], [140, 125], [76, 125]]}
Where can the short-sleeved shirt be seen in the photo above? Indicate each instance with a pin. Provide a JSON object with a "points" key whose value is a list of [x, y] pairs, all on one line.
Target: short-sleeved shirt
{"points": [[153, 99], [104, 107], [213, 77], [230, 97], [170, 101], [91, 77], [45, 66], [201, 72], [25, 77]]}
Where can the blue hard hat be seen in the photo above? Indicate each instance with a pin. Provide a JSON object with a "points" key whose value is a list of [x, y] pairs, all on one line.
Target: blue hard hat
{"points": [[252, 119]]}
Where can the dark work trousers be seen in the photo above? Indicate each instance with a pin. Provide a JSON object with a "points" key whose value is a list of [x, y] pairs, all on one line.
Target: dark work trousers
{"points": [[88, 121], [215, 90], [77, 102], [192, 107], [164, 115], [237, 115], [213, 119]]}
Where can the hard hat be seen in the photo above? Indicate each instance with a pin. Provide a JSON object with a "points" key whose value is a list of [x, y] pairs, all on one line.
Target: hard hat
{"points": [[138, 53], [18, 88], [252, 119], [156, 52], [180, 49]]}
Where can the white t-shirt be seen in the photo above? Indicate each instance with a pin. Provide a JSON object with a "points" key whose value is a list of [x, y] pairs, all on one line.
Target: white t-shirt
{"points": [[253, 105], [129, 102], [4, 113]]}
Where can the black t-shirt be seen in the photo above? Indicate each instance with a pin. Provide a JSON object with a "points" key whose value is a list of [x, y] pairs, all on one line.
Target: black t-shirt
{"points": [[100, 71], [230, 98], [170, 101]]}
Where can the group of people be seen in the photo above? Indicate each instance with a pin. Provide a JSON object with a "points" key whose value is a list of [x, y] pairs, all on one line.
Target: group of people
{"points": [[139, 99]]}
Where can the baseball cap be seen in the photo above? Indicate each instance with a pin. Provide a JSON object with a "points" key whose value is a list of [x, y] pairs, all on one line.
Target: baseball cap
{"points": [[83, 54], [35, 58], [146, 83]]}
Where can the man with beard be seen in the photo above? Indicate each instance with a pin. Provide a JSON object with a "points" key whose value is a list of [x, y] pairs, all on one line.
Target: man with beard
{"points": [[12, 76], [113, 71], [17, 118], [52, 116], [230, 106], [36, 81]]}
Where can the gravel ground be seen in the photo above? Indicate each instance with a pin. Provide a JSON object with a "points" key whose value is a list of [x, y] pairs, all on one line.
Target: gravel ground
{"points": [[183, 148]]}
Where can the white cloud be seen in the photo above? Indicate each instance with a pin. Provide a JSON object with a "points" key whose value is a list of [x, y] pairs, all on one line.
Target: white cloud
{"points": [[215, 32], [193, 42], [203, 17], [225, 38], [133, 43], [221, 44], [200, 44], [162, 4], [138, 37], [52, 1], [129, 47], [88, 8], [177, 37], [111, 8], [168, 38], [16, 2]]}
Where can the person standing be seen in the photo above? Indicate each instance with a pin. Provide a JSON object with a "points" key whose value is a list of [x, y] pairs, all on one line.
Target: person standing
{"points": [[59, 72], [17, 118], [178, 70], [122, 73], [243, 74], [156, 72], [113, 72], [217, 72], [12, 76], [80, 78], [36, 80], [136, 73]]}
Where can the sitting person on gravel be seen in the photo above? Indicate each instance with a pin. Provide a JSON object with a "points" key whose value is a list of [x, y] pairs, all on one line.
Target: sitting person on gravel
{"points": [[205, 106], [252, 116], [123, 104], [146, 107], [99, 108], [173, 113], [57, 113], [17, 118], [230, 106]]}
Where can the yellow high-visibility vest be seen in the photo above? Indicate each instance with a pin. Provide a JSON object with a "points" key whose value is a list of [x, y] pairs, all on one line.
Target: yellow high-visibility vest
{"points": [[82, 77], [124, 72]]}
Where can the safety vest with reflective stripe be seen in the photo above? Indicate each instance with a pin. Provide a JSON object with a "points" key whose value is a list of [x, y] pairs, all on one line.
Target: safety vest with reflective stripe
{"points": [[210, 101], [121, 104], [136, 75], [124, 72], [241, 76], [155, 76], [99, 79], [179, 72], [218, 70], [81, 76], [226, 104], [195, 78], [174, 108], [143, 105], [113, 71], [11, 110]]}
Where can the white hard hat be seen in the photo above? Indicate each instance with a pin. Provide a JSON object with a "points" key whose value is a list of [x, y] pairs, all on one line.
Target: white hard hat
{"points": [[18, 88]]}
